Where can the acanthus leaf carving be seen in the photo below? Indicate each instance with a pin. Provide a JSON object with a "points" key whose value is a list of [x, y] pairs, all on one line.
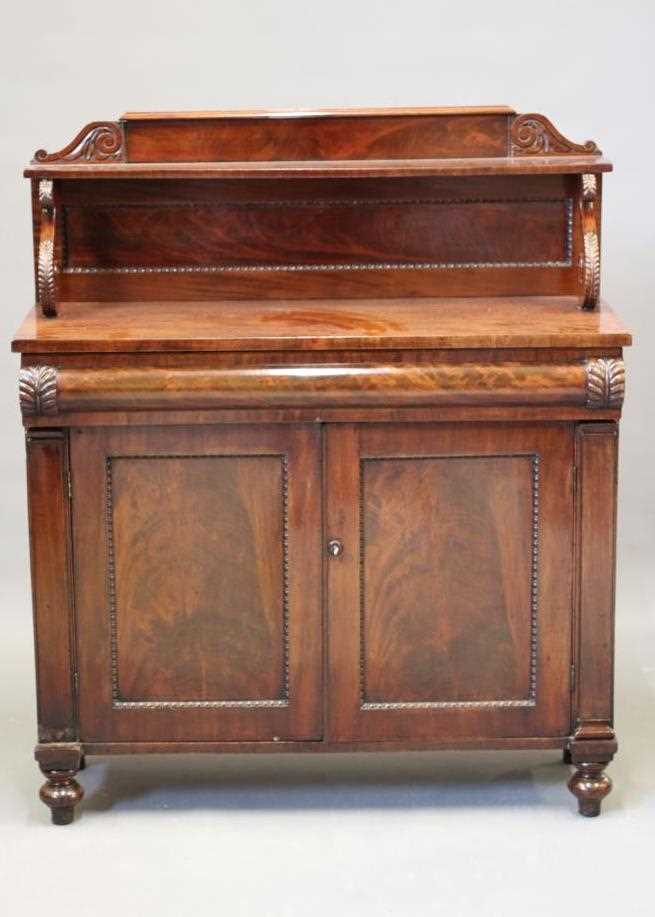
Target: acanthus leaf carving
{"points": [[605, 383], [534, 134], [99, 141], [590, 241], [37, 390], [45, 262]]}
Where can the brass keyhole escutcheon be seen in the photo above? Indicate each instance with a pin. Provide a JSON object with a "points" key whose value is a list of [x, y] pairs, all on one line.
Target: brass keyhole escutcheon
{"points": [[334, 547]]}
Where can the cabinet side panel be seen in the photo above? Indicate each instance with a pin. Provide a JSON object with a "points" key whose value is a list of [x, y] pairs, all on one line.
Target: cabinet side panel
{"points": [[49, 523], [596, 447]]}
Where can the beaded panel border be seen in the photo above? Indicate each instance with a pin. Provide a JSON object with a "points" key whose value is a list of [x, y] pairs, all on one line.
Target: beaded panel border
{"points": [[117, 701], [567, 261], [531, 699]]}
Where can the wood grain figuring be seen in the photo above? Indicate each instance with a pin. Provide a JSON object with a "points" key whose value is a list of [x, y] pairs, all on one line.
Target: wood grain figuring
{"points": [[322, 439], [320, 325], [49, 521], [405, 629], [314, 234], [190, 640], [346, 168], [259, 138], [596, 458], [432, 521], [321, 385], [221, 529], [319, 238]]}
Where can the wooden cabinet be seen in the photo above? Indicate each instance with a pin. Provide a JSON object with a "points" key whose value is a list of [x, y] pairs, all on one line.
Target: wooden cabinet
{"points": [[322, 423]]}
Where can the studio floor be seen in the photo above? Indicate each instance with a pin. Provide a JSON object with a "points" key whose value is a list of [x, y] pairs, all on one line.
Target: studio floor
{"points": [[487, 833]]}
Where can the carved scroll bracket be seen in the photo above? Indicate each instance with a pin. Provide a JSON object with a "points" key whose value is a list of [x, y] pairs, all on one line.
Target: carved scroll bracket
{"points": [[45, 266], [591, 245], [37, 390], [605, 383], [535, 135], [99, 141]]}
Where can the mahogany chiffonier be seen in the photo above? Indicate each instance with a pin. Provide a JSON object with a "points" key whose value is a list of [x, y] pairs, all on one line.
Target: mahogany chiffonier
{"points": [[322, 413]]}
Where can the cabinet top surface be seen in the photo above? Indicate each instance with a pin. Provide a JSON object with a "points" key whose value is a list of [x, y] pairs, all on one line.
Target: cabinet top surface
{"points": [[344, 324]]}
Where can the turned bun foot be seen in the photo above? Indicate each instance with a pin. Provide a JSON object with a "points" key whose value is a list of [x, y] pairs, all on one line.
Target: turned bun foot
{"points": [[590, 785], [61, 793]]}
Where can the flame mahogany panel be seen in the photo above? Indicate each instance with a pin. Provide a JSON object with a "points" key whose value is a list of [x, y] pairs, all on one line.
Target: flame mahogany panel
{"points": [[290, 138], [450, 607], [198, 568], [308, 238]]}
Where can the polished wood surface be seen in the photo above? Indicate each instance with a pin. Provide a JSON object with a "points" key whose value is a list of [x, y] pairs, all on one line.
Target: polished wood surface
{"points": [[350, 168], [465, 231], [401, 531], [322, 413], [337, 237], [50, 543], [483, 322], [322, 385], [220, 530], [432, 520], [212, 624]]}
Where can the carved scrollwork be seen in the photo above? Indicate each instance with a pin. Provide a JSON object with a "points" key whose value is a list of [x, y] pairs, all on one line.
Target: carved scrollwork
{"points": [[535, 135], [99, 141], [45, 262], [37, 390], [591, 270], [590, 242], [605, 383], [589, 188]]}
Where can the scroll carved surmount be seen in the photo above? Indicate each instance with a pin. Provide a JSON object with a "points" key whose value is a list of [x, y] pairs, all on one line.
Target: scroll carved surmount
{"points": [[37, 389], [605, 383], [591, 266], [45, 266], [535, 135], [99, 141]]}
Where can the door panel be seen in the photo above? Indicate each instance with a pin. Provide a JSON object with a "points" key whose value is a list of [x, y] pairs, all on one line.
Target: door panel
{"points": [[210, 551], [450, 605]]}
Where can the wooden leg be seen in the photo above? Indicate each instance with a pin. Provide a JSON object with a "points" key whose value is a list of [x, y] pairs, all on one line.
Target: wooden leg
{"points": [[566, 756], [61, 792], [60, 762], [590, 785]]}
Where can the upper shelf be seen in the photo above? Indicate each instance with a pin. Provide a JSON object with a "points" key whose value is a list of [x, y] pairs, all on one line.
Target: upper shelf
{"points": [[349, 143]]}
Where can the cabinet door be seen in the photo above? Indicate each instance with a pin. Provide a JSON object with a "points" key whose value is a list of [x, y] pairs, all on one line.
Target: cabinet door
{"points": [[450, 604], [198, 571]]}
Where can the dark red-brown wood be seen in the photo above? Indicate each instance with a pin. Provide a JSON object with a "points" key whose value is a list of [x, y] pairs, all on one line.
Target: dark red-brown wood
{"points": [[418, 649], [322, 413]]}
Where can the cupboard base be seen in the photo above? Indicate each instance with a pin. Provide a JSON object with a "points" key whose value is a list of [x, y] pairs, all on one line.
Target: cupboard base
{"points": [[62, 792]]}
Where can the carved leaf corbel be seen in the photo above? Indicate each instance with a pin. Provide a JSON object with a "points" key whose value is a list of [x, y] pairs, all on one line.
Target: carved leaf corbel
{"points": [[37, 390], [605, 383], [534, 134], [591, 245], [99, 141], [45, 264]]}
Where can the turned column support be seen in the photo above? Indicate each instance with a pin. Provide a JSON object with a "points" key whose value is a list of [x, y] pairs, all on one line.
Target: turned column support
{"points": [[590, 785], [61, 792]]}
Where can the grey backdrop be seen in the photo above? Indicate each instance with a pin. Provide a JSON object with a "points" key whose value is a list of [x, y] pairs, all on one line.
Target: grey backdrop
{"points": [[476, 833]]}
